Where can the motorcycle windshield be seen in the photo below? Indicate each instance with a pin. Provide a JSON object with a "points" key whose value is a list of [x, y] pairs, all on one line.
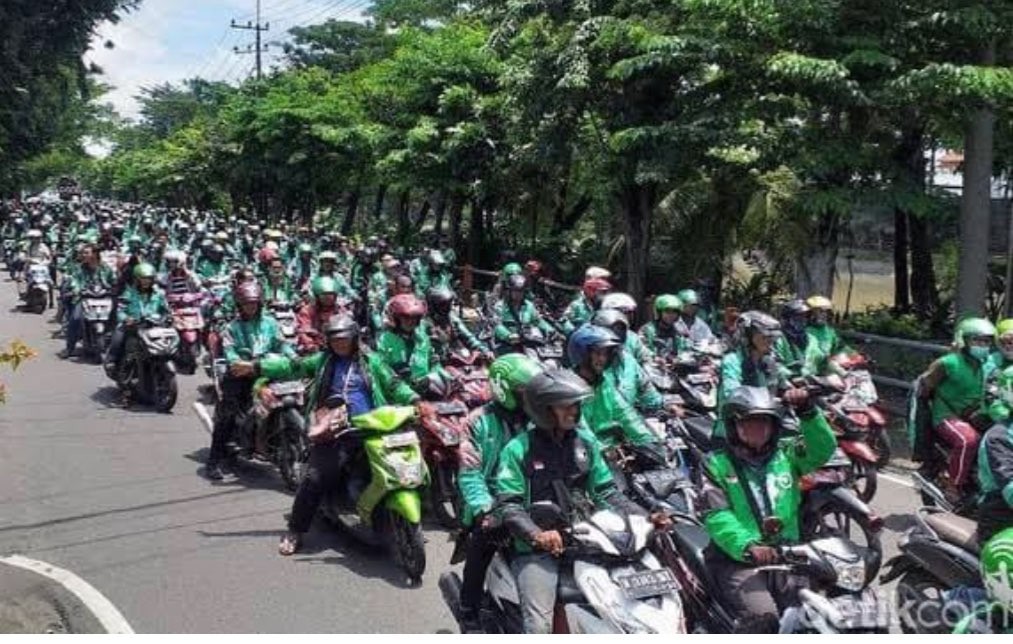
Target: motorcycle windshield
{"points": [[384, 419]]}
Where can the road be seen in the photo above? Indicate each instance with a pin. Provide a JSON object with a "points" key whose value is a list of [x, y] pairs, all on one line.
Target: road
{"points": [[115, 496]]}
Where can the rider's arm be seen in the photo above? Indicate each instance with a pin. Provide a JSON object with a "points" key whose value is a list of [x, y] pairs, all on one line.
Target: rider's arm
{"points": [[601, 486], [728, 532], [932, 377], [634, 428], [501, 331], [394, 388], [512, 490], [731, 375], [816, 444], [475, 492], [463, 332]]}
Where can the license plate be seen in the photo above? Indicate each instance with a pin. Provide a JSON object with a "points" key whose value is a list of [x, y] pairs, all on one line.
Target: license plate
{"points": [[648, 583], [861, 612], [402, 439], [286, 388]]}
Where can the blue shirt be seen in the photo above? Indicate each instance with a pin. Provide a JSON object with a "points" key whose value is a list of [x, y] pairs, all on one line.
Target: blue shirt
{"points": [[349, 383]]}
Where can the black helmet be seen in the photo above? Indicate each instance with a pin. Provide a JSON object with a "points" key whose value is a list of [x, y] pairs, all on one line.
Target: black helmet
{"points": [[753, 322], [549, 389], [341, 325], [440, 298], [794, 308], [613, 320], [516, 283], [752, 402]]}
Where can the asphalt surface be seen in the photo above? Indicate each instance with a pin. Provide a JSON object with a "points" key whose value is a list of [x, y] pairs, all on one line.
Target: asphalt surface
{"points": [[115, 495]]}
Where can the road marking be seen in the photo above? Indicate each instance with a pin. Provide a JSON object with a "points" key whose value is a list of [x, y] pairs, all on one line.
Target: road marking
{"points": [[204, 416], [905, 481], [103, 609]]}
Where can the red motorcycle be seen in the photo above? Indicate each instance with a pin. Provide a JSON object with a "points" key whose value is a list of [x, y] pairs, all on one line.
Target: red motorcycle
{"points": [[188, 320], [469, 370], [441, 431], [861, 403]]}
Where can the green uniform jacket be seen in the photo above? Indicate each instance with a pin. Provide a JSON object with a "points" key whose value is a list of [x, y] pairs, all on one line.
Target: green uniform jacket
{"points": [[962, 391], [385, 387], [284, 292], [997, 410], [511, 322], [139, 306], [206, 268], [824, 343], [662, 343], [607, 414], [461, 332], [995, 462], [252, 339], [629, 379], [489, 431], [81, 279], [792, 357], [729, 517], [577, 312], [411, 359]]}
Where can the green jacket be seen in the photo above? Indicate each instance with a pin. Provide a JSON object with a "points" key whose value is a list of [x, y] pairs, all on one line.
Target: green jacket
{"points": [[207, 268], [824, 343], [997, 410], [629, 378], [577, 312], [253, 339], [284, 292], [81, 279], [962, 391], [511, 322], [138, 306], [514, 480], [425, 279], [411, 359], [385, 387], [662, 342], [489, 431], [609, 416], [460, 332], [729, 516]]}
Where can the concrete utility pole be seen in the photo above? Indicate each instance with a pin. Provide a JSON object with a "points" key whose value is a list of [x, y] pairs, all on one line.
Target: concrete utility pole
{"points": [[257, 28]]}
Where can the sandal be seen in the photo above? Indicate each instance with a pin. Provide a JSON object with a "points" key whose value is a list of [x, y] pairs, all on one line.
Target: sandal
{"points": [[290, 544]]}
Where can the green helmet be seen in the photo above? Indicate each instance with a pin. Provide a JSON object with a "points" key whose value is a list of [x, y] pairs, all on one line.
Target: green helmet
{"points": [[324, 285], [972, 327], [997, 568], [305, 248], [689, 296], [513, 268], [667, 302], [508, 375], [144, 269], [1004, 327]]}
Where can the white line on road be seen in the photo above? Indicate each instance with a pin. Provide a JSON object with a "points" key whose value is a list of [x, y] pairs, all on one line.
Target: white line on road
{"points": [[103, 610], [900, 480]]}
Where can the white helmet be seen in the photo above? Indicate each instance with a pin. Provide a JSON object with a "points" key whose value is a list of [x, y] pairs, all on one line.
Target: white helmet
{"points": [[619, 302], [34, 233], [593, 272]]}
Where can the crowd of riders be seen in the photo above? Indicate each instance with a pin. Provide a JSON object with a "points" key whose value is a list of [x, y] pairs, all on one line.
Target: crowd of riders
{"points": [[377, 326]]}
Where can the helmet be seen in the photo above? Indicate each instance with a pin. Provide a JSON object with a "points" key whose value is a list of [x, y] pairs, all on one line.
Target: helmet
{"points": [[440, 297], [667, 302], [436, 258], [267, 255], [367, 256], [341, 325], [34, 234], [549, 389], [144, 269], [217, 249], [406, 305], [516, 283], [817, 302], [272, 233], [689, 296], [752, 322], [746, 402], [175, 256], [794, 308], [272, 245], [609, 319], [586, 338], [619, 302], [1004, 327], [597, 272], [305, 248], [970, 328], [595, 285], [324, 285], [247, 292], [221, 236], [533, 267], [513, 268], [328, 255], [997, 568], [508, 375]]}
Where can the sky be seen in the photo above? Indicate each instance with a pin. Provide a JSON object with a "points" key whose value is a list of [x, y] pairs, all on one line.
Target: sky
{"points": [[171, 40]]}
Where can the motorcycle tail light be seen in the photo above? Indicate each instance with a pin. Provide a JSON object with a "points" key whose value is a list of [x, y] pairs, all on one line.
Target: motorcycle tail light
{"points": [[876, 416], [859, 419]]}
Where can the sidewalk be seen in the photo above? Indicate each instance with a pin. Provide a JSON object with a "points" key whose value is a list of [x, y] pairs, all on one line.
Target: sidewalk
{"points": [[32, 604]]}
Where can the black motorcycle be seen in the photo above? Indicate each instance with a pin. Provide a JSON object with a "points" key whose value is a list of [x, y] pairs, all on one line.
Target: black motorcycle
{"points": [[147, 369]]}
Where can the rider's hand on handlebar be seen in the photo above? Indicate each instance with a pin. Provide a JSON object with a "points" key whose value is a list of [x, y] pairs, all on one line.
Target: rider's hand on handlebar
{"points": [[241, 369], [676, 410], [762, 555], [550, 541], [661, 521], [797, 398]]}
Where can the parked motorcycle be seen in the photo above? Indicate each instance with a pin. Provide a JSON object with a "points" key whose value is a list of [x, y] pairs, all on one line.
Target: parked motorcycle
{"points": [[609, 581], [188, 321], [147, 368]]}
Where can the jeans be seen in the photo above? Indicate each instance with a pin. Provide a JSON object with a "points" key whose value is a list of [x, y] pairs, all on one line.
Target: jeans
{"points": [[116, 346], [963, 441], [237, 398], [537, 576], [327, 463], [750, 595], [75, 326]]}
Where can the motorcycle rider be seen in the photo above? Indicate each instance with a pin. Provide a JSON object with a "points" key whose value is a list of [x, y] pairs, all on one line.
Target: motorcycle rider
{"points": [[364, 381], [445, 327], [791, 348], [302, 269], [592, 351], [245, 340], [954, 385], [177, 279], [91, 274], [531, 467], [1002, 357], [432, 273], [995, 468], [824, 341], [489, 430], [141, 301], [996, 616], [329, 268], [514, 313], [276, 285], [624, 370], [583, 306], [314, 314], [405, 346], [660, 334], [751, 499], [213, 264], [689, 324]]}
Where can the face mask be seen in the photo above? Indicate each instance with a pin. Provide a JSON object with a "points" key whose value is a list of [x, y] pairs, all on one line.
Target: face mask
{"points": [[978, 353]]}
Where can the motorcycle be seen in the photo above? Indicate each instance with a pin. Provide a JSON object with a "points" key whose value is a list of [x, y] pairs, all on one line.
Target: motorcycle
{"points": [[96, 311], [468, 369], [274, 430], [284, 314], [609, 580], [147, 368], [938, 555], [37, 287], [188, 321], [441, 433], [535, 345], [394, 463], [860, 402]]}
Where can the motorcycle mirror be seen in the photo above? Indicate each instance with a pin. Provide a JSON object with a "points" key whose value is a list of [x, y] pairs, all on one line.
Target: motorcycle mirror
{"points": [[547, 515]]}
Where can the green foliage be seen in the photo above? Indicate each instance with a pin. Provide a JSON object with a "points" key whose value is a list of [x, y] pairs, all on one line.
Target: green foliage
{"points": [[886, 321]]}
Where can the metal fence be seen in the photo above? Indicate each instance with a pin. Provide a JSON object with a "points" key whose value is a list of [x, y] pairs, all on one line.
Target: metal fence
{"points": [[897, 361]]}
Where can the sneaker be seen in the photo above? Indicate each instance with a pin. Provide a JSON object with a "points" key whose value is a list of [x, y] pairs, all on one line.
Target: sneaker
{"points": [[64, 354], [470, 623], [213, 471]]}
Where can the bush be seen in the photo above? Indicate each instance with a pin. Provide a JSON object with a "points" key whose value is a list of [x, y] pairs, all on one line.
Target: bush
{"points": [[884, 321]]}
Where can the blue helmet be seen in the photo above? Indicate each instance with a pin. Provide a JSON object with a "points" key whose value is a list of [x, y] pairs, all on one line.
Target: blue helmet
{"points": [[585, 339]]}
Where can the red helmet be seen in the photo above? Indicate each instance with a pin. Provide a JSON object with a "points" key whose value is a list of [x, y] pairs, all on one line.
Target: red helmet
{"points": [[247, 292], [267, 255], [406, 305], [533, 267], [594, 286]]}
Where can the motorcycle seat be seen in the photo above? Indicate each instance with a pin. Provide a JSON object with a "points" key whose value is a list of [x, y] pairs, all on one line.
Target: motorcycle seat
{"points": [[955, 530], [692, 541], [567, 591], [701, 431]]}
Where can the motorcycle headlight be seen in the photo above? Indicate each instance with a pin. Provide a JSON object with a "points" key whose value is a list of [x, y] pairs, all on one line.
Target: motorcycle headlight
{"points": [[850, 576]]}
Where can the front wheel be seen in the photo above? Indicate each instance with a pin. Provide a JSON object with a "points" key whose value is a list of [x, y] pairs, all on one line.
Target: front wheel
{"points": [[443, 496], [290, 453], [864, 479], [166, 391], [409, 547]]}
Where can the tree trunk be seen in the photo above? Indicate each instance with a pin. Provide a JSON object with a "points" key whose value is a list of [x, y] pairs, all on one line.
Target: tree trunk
{"points": [[441, 209], [638, 210], [901, 292], [351, 208], [475, 233], [456, 211], [924, 292], [403, 217], [423, 213], [816, 266], [975, 203], [381, 194]]}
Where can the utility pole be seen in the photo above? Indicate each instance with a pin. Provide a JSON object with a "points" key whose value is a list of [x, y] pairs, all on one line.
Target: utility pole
{"points": [[257, 28]]}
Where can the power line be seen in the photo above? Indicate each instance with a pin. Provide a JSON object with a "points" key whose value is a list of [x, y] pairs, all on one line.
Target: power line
{"points": [[257, 29]]}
